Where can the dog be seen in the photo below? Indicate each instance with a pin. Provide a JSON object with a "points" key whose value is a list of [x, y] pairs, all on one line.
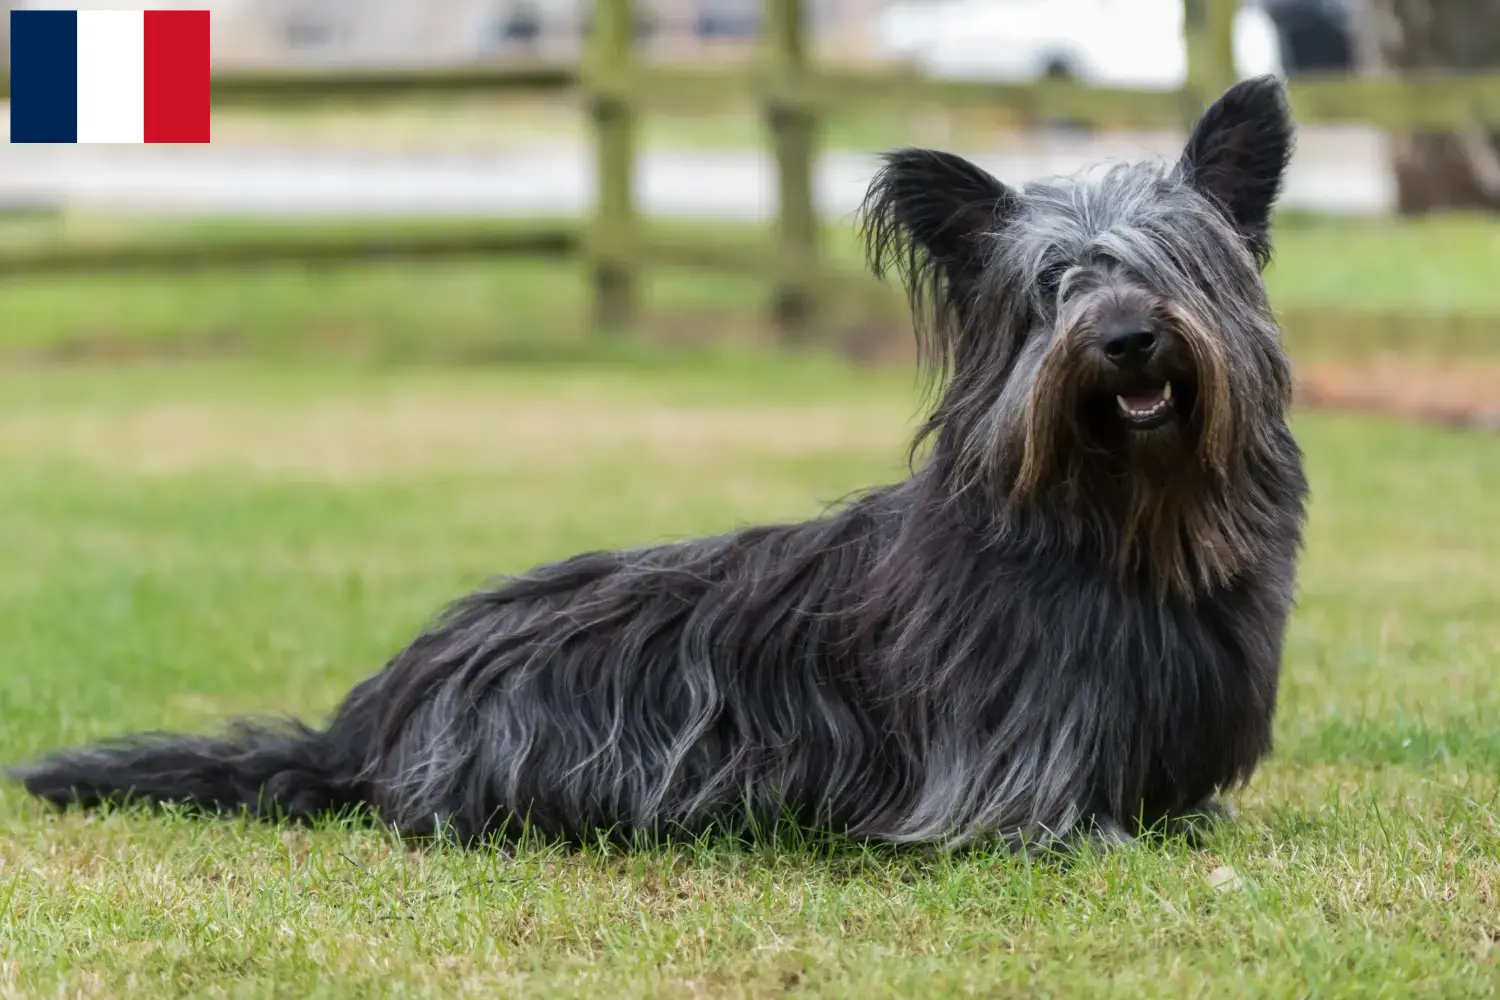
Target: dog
{"points": [[1067, 622]]}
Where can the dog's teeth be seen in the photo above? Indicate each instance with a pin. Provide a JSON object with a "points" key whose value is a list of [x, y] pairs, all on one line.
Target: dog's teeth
{"points": [[1167, 392], [1123, 405]]}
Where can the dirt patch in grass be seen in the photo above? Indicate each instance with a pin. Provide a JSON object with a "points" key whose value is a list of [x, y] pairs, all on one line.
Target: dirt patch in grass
{"points": [[1456, 393]]}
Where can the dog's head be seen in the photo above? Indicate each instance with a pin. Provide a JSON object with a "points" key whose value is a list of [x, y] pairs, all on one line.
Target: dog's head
{"points": [[1107, 334]]}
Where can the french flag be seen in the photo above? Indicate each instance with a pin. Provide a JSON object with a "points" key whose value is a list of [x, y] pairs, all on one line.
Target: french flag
{"points": [[109, 76]]}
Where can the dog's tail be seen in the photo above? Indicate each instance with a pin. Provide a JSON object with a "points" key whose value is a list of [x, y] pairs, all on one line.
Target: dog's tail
{"points": [[273, 771]]}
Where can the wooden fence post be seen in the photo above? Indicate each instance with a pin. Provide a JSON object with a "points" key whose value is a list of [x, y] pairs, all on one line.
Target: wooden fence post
{"points": [[1208, 26], [612, 241], [792, 125]]}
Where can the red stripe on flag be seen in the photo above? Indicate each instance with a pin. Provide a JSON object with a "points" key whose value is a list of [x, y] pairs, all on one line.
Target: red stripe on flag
{"points": [[177, 76]]}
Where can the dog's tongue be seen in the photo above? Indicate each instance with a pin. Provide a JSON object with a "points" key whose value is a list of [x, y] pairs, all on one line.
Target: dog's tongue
{"points": [[1142, 399]]}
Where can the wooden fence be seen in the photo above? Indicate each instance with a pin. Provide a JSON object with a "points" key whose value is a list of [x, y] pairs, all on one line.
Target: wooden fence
{"points": [[794, 95]]}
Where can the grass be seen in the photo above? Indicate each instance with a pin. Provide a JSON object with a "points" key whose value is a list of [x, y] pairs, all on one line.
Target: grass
{"points": [[1342, 287], [188, 541]]}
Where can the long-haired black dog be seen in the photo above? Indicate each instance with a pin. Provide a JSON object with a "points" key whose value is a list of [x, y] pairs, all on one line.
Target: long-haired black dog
{"points": [[1067, 622]]}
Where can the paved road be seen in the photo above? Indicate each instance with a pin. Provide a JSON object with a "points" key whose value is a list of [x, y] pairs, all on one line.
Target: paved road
{"points": [[1335, 170]]}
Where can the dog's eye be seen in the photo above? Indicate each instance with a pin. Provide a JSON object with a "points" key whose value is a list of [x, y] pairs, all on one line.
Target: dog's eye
{"points": [[1050, 280]]}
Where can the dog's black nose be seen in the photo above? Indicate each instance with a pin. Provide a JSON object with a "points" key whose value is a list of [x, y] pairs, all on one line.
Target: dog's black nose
{"points": [[1129, 344]]}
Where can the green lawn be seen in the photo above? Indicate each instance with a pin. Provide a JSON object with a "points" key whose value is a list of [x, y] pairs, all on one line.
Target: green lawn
{"points": [[190, 540]]}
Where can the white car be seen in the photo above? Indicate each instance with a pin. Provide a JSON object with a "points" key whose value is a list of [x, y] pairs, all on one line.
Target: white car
{"points": [[1111, 43]]}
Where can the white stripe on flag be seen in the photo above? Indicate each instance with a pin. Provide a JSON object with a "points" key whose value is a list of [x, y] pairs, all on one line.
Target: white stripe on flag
{"points": [[111, 76]]}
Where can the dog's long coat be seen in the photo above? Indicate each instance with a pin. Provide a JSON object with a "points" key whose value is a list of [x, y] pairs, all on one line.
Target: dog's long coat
{"points": [[1068, 618]]}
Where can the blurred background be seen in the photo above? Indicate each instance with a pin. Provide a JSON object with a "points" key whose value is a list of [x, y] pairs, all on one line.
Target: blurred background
{"points": [[481, 178]]}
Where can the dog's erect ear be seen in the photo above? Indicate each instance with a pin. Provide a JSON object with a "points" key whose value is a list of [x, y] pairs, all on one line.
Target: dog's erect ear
{"points": [[924, 215], [1238, 154]]}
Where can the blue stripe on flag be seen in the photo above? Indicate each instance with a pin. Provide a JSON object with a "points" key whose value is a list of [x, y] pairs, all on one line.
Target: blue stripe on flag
{"points": [[43, 76]]}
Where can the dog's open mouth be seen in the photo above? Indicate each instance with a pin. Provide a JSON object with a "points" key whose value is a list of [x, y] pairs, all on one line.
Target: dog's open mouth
{"points": [[1146, 407]]}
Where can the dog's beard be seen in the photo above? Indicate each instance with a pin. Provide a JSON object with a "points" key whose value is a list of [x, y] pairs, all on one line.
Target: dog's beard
{"points": [[1155, 454]]}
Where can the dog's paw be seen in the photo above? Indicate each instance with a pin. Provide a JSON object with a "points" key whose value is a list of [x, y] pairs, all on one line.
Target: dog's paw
{"points": [[1105, 834], [1196, 824], [1096, 834]]}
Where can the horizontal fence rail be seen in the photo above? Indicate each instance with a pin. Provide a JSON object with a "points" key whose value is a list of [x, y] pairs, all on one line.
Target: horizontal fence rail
{"points": [[1431, 101], [314, 246], [247, 87]]}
